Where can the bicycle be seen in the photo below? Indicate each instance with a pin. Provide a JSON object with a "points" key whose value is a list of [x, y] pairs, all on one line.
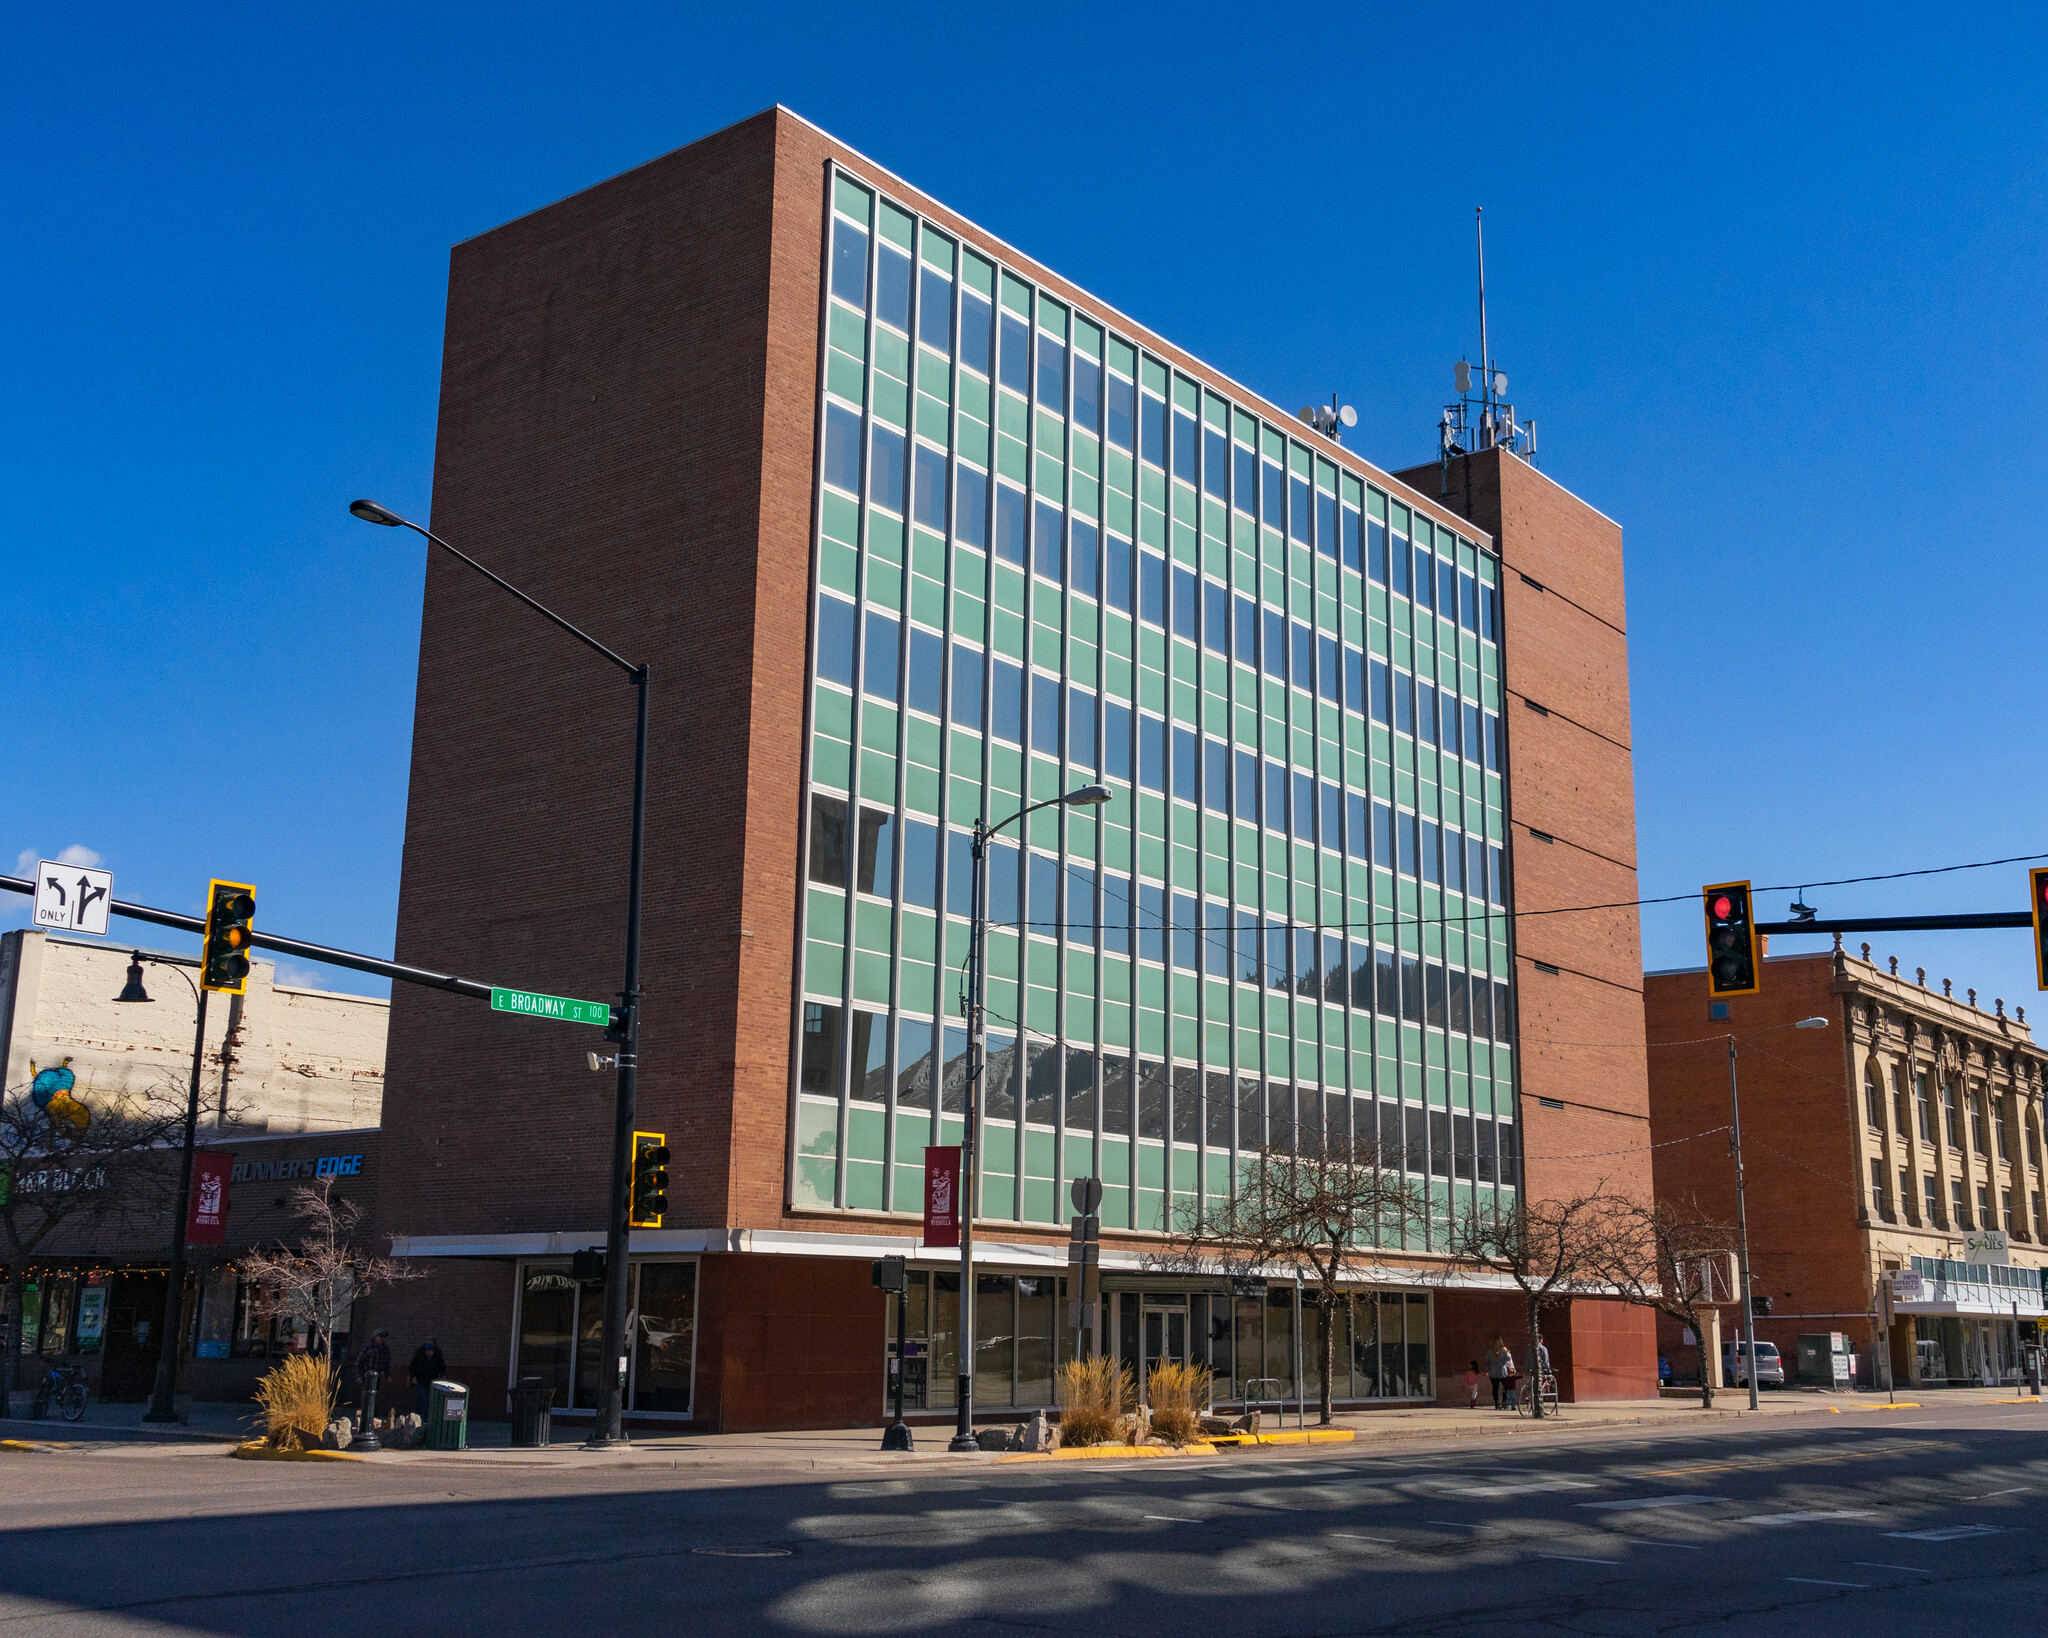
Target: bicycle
{"points": [[1527, 1389], [64, 1388]]}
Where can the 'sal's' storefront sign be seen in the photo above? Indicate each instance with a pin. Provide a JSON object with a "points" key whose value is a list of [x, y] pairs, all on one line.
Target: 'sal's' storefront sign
{"points": [[942, 1195], [208, 1223]]}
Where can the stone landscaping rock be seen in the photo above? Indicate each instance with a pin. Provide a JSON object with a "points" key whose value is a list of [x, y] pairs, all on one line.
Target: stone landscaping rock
{"points": [[1039, 1434], [993, 1438], [340, 1435]]}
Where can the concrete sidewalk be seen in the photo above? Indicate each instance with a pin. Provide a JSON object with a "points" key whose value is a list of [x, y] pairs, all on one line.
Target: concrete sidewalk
{"points": [[858, 1448]]}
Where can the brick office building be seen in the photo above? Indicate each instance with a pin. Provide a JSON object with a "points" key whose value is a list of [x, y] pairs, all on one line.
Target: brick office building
{"points": [[1906, 1136], [910, 529]]}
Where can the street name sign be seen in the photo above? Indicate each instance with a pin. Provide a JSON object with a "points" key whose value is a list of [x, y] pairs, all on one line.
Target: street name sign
{"points": [[531, 1004], [72, 898]]}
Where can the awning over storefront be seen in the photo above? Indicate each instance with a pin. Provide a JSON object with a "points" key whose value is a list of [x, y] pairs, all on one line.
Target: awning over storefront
{"points": [[1012, 1255]]}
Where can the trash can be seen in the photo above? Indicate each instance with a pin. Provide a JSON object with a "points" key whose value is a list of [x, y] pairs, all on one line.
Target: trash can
{"points": [[447, 1416], [532, 1410]]}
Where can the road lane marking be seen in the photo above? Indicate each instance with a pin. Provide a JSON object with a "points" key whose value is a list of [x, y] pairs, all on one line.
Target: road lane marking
{"points": [[1811, 1518], [1384, 1541], [1651, 1501], [1683, 1546], [1573, 1558], [1954, 1532], [1815, 1581], [1910, 1569], [1528, 1488], [1168, 1518], [1454, 1524]]}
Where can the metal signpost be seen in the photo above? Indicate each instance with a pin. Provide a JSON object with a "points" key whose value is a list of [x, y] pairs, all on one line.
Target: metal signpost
{"points": [[1084, 1265], [892, 1276]]}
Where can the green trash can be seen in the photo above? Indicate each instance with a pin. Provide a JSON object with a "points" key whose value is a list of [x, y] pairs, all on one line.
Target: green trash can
{"points": [[447, 1416]]}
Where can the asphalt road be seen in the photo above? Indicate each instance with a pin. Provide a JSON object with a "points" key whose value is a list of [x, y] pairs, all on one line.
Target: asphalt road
{"points": [[1916, 1520]]}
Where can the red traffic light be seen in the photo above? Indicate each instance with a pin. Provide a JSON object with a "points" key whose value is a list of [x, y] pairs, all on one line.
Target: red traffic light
{"points": [[1734, 954]]}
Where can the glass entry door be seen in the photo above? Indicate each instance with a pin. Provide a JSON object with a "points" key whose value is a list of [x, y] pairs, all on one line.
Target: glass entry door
{"points": [[1165, 1333]]}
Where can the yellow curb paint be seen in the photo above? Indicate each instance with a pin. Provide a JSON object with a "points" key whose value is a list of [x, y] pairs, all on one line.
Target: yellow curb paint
{"points": [[1313, 1436], [17, 1444], [264, 1453], [1113, 1453]]}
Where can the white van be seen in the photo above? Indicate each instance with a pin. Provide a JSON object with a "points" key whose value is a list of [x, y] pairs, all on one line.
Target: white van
{"points": [[1770, 1368]]}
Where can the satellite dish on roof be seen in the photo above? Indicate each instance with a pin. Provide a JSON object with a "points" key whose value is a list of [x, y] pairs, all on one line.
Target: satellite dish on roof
{"points": [[1463, 375], [1500, 383], [1348, 416]]}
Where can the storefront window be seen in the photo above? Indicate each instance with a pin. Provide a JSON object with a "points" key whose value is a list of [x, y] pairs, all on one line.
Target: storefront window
{"points": [[664, 1343], [547, 1317], [216, 1313], [561, 1335]]}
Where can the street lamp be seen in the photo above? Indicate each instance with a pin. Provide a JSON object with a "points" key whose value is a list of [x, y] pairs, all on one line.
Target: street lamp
{"points": [[608, 1429], [163, 1398], [1741, 1220], [1088, 796]]}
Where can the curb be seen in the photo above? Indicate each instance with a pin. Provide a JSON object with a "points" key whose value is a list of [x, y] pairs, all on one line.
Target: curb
{"points": [[1112, 1453], [1903, 1404], [21, 1444], [264, 1453], [1301, 1436]]}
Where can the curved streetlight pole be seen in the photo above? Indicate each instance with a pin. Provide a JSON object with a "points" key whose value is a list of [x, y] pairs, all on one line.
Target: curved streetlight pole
{"points": [[163, 1398], [609, 1426], [977, 1061], [1741, 1217]]}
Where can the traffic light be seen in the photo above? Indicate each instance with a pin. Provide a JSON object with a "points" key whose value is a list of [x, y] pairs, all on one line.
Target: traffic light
{"points": [[650, 1179], [2038, 881], [1733, 960], [230, 931]]}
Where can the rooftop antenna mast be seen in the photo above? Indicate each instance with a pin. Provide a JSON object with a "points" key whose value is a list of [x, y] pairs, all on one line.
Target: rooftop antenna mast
{"points": [[1482, 420], [1485, 354]]}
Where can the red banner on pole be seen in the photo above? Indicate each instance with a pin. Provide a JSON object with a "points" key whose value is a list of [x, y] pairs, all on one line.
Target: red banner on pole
{"points": [[942, 1195], [208, 1225]]}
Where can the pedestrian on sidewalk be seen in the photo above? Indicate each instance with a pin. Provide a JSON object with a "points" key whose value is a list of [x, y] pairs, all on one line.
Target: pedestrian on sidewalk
{"points": [[1500, 1370], [373, 1364], [1472, 1384], [427, 1368]]}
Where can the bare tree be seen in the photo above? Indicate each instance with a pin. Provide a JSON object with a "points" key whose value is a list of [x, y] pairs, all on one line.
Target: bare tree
{"points": [[1317, 1211], [1548, 1248], [1661, 1257], [332, 1262], [71, 1164]]}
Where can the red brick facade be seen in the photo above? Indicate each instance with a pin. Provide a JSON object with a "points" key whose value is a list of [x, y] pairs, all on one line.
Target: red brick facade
{"points": [[628, 419], [1584, 1101], [1818, 1236]]}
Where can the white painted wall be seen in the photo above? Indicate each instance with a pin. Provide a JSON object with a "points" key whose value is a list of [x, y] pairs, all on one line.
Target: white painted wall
{"points": [[304, 1060]]}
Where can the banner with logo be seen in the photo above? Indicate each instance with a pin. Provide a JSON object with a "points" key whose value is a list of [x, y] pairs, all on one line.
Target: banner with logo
{"points": [[942, 1195], [208, 1224]]}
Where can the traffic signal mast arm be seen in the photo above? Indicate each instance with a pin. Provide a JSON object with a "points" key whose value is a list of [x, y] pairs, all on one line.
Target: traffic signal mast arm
{"points": [[291, 947]]}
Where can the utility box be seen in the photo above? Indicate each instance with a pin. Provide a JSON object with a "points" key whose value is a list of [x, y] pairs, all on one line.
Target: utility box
{"points": [[1824, 1360], [447, 1416], [533, 1404]]}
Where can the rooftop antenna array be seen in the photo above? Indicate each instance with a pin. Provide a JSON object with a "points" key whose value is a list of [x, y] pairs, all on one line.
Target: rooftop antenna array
{"points": [[1332, 420], [1481, 416]]}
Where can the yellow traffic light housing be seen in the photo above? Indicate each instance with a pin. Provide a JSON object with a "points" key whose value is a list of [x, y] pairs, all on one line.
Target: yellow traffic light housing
{"points": [[1734, 957], [230, 935], [650, 1179]]}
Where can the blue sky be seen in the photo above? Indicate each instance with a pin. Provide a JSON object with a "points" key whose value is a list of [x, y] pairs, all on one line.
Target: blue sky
{"points": [[1769, 279]]}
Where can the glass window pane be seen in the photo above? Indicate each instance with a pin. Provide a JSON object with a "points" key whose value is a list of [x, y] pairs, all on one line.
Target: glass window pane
{"points": [[664, 1336], [995, 1337]]}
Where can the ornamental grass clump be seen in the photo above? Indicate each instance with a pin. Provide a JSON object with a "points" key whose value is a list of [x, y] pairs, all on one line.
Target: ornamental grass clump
{"points": [[297, 1396], [1177, 1395], [1095, 1398]]}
